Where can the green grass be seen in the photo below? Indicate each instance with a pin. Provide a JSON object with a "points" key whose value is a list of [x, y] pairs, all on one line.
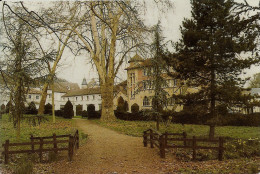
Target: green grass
{"points": [[62, 126], [136, 128]]}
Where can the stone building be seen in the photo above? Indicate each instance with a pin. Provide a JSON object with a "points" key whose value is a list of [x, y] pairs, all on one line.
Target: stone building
{"points": [[140, 89]]}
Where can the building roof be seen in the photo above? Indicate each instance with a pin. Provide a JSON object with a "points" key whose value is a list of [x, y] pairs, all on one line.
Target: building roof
{"points": [[80, 92], [84, 81], [88, 91], [144, 63], [255, 91], [65, 87], [34, 91], [136, 58], [121, 87]]}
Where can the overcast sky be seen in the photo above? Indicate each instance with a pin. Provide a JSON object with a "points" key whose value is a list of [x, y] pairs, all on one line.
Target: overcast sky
{"points": [[74, 69]]}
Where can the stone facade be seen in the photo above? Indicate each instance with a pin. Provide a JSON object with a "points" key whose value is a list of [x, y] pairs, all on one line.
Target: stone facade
{"points": [[140, 90]]}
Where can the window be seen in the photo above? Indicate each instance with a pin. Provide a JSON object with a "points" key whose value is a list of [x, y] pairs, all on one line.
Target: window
{"points": [[37, 97], [149, 84], [87, 97], [174, 82], [29, 96], [132, 78], [169, 83], [144, 72], [144, 85], [93, 97], [132, 94], [146, 101], [76, 98], [81, 97]]}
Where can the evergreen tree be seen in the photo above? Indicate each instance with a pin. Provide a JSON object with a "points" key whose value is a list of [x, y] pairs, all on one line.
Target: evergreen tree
{"points": [[68, 110], [159, 99], [208, 52]]}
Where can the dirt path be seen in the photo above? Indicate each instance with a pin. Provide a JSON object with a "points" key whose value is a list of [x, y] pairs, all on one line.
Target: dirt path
{"points": [[107, 151]]}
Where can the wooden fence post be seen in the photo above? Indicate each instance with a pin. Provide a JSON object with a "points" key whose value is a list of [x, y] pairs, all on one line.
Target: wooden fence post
{"points": [[145, 139], [220, 149], [70, 147], [166, 139], [162, 146], [6, 152], [194, 148], [184, 138], [41, 148], [77, 136], [151, 138], [32, 141], [55, 143]]}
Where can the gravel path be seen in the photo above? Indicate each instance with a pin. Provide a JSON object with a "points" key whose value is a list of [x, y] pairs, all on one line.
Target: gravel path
{"points": [[107, 151]]}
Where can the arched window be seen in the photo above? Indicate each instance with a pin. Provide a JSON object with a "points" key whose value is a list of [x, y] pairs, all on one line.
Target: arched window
{"points": [[146, 101]]}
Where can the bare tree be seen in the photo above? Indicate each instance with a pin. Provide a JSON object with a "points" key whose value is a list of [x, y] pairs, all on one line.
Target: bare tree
{"points": [[109, 31]]}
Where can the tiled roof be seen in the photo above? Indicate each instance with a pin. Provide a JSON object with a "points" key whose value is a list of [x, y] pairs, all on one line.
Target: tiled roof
{"points": [[80, 92], [87, 91], [65, 87], [34, 91], [136, 58], [121, 87], [144, 63]]}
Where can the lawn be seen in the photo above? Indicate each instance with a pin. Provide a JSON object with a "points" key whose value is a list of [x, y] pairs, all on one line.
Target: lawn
{"points": [[136, 128], [62, 126]]}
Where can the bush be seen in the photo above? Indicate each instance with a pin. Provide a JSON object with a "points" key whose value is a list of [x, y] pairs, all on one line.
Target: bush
{"points": [[84, 114], [238, 119], [31, 109], [8, 105], [68, 110], [48, 109], [144, 115], [134, 108], [59, 113], [92, 114]]}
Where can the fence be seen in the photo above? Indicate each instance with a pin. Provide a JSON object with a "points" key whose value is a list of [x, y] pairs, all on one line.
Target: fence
{"points": [[73, 142], [165, 141]]}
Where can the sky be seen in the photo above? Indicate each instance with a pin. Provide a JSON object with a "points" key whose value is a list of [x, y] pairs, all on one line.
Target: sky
{"points": [[74, 69]]}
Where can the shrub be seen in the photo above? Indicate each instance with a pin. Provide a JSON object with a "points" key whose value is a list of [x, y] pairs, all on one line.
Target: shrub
{"points": [[134, 108], [92, 114], [68, 110], [48, 109], [31, 109], [59, 113], [9, 104], [84, 114], [238, 119], [120, 106]]}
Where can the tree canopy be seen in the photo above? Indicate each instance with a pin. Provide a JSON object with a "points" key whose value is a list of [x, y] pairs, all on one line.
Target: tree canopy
{"points": [[209, 53]]}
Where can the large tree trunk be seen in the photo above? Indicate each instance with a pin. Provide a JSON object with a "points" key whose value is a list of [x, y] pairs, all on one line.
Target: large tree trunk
{"points": [[107, 94], [43, 99]]}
